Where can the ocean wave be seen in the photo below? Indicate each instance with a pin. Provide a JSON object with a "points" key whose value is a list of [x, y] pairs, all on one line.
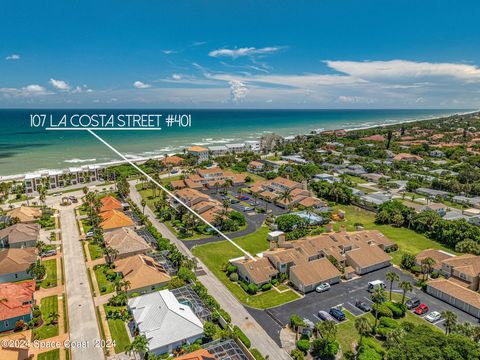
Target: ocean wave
{"points": [[78, 161]]}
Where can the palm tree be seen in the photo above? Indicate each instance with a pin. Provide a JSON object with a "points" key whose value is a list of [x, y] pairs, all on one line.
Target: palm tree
{"points": [[138, 345], [111, 254], [427, 265], [255, 197], [53, 317], [406, 286], [363, 327], [394, 337], [143, 203], [392, 277], [377, 297], [450, 320], [286, 196]]}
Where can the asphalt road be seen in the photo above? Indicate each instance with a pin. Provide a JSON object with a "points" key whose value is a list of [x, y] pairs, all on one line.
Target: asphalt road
{"points": [[81, 310]]}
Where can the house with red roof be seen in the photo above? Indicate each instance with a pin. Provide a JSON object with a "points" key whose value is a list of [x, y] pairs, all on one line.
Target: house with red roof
{"points": [[16, 303]]}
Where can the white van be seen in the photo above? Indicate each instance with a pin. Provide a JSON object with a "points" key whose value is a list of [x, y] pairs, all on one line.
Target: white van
{"points": [[372, 285]]}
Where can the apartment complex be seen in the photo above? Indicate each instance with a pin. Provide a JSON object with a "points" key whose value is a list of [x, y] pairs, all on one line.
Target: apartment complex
{"points": [[202, 204], [59, 178], [209, 178], [274, 190], [309, 262]]}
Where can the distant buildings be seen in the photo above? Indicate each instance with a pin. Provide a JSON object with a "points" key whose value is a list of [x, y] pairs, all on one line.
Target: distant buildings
{"points": [[165, 321], [209, 178], [199, 152], [407, 157]]}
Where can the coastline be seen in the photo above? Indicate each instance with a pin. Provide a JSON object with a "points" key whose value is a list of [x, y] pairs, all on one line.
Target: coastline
{"points": [[140, 159]]}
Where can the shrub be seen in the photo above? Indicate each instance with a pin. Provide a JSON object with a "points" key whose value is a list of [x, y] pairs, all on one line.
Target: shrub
{"points": [[397, 312], [303, 345], [244, 286], [233, 277], [382, 310], [231, 269], [243, 338], [388, 322], [297, 354], [274, 282], [252, 289], [266, 287]]}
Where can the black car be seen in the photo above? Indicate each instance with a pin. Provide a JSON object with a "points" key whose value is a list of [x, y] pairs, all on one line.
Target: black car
{"points": [[413, 303], [337, 314], [363, 306]]}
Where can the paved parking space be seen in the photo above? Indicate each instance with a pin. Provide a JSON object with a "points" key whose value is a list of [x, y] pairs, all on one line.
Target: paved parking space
{"points": [[346, 294]]}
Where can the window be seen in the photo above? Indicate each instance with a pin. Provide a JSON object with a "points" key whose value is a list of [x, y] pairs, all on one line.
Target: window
{"points": [[463, 276], [6, 324]]}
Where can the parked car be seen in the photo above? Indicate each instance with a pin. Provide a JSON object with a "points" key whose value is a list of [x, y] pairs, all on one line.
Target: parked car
{"points": [[372, 285], [325, 316], [412, 303], [337, 314], [252, 203], [434, 316], [234, 201], [89, 234], [363, 306], [421, 309], [248, 208], [49, 253], [174, 171], [322, 287]]}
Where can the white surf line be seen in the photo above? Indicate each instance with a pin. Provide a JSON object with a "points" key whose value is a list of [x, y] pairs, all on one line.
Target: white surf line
{"points": [[171, 194], [100, 129]]}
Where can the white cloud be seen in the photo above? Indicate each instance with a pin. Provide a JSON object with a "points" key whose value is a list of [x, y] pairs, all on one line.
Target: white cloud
{"points": [[13, 57], [401, 69], [246, 51], [168, 51], [141, 85], [26, 91], [59, 84], [238, 90]]}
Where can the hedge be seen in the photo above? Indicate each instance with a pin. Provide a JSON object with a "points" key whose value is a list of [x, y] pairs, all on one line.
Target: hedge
{"points": [[243, 338], [256, 354]]}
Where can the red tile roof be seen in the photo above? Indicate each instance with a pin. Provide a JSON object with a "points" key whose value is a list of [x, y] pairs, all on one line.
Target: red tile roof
{"points": [[16, 299]]}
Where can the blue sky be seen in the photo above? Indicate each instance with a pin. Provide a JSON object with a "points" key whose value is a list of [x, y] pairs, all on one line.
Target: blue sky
{"points": [[242, 54]]}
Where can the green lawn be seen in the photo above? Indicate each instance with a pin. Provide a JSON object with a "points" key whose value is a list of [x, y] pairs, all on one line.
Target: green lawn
{"points": [[102, 281], [214, 255], [95, 250], [49, 355], [118, 331], [86, 226], [51, 278], [47, 330], [406, 239]]}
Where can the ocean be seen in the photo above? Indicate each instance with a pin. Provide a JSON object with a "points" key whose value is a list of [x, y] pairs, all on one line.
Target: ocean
{"points": [[24, 149]]}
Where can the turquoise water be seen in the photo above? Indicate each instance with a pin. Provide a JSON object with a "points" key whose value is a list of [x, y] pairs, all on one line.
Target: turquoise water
{"points": [[24, 149]]}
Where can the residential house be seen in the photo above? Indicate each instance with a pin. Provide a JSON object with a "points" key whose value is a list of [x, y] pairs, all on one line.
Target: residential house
{"points": [[165, 322], [19, 236], [115, 219], [110, 203], [375, 137], [455, 294], [172, 161], [201, 354], [375, 199], [143, 273], [437, 255], [25, 214], [433, 193], [255, 166], [210, 178], [326, 177], [203, 204], [253, 145], [14, 264], [17, 304], [126, 242], [199, 152], [437, 153], [259, 271]]}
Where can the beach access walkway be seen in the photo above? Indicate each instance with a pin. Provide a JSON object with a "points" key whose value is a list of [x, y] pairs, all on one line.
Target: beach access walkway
{"points": [[240, 316]]}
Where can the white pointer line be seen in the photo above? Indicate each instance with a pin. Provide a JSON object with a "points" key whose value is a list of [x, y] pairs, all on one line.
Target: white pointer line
{"points": [[103, 128], [170, 194]]}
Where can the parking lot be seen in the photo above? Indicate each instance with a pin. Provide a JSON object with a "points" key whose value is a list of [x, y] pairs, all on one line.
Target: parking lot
{"points": [[345, 295]]}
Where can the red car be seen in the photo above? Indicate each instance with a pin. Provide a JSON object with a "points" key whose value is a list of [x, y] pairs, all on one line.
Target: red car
{"points": [[421, 309]]}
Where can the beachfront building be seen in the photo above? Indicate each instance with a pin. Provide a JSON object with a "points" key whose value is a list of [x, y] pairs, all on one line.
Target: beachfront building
{"points": [[308, 261], [218, 150], [165, 321], [199, 152], [19, 236], [253, 145], [17, 304], [236, 148], [14, 264]]}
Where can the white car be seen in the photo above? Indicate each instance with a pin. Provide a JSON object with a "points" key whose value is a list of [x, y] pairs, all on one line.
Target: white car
{"points": [[322, 287], [434, 316]]}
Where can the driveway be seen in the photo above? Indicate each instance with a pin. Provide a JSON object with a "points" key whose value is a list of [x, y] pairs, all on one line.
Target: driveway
{"points": [[346, 294]]}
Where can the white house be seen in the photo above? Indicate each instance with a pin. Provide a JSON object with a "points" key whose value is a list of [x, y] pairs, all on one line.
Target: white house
{"points": [[166, 323], [252, 145]]}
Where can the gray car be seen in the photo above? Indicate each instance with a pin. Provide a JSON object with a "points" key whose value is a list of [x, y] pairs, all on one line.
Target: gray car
{"points": [[325, 316]]}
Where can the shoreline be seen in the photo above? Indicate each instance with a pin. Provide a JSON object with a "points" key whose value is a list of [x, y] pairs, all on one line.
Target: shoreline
{"points": [[140, 160]]}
